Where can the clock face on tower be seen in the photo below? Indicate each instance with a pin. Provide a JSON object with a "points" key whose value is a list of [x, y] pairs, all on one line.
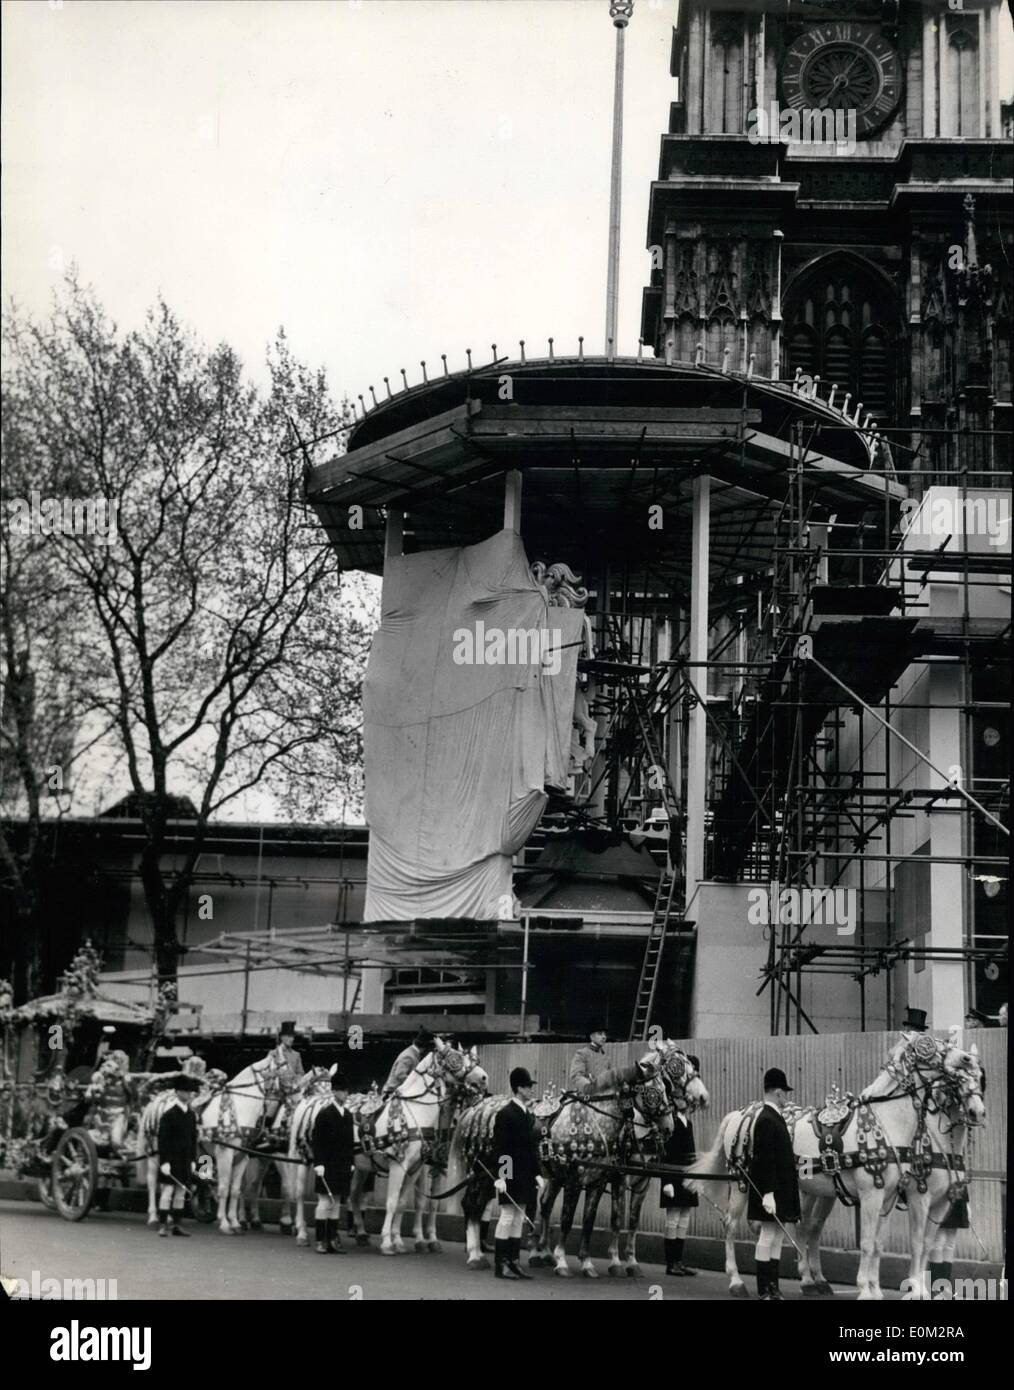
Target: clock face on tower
{"points": [[844, 67]]}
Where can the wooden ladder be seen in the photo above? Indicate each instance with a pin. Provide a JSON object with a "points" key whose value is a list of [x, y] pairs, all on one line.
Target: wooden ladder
{"points": [[650, 966]]}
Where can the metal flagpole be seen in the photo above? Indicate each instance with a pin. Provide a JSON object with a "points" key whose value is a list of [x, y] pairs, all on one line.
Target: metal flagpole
{"points": [[620, 12]]}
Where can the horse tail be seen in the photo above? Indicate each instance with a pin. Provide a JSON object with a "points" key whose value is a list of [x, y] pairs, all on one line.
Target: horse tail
{"points": [[713, 1164]]}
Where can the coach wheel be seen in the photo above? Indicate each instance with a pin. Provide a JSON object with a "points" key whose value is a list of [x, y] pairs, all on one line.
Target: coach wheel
{"points": [[44, 1190], [75, 1174]]}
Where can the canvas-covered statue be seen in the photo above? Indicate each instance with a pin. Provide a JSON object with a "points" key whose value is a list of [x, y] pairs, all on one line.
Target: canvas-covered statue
{"points": [[468, 702]]}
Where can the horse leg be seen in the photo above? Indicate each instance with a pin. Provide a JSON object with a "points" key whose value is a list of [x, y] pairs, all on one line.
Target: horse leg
{"points": [[286, 1172], [304, 1190], [432, 1210], [407, 1190], [474, 1201], [248, 1206], [294, 1186], [236, 1190], [818, 1210], [355, 1206], [870, 1205], [571, 1191], [223, 1172], [151, 1179], [421, 1205], [542, 1255], [617, 1193], [391, 1243], [637, 1196], [592, 1197], [918, 1271], [733, 1216]]}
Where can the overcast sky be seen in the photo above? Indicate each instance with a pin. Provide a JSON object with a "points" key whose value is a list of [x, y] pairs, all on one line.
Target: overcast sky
{"points": [[389, 179]]}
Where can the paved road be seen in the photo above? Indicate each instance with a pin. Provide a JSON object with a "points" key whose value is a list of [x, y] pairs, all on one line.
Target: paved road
{"points": [[264, 1264]]}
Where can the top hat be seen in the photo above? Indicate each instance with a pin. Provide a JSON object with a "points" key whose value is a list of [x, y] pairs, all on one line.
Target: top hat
{"points": [[424, 1038], [186, 1083], [339, 1081], [915, 1019], [775, 1080], [519, 1077], [287, 1027], [597, 1027]]}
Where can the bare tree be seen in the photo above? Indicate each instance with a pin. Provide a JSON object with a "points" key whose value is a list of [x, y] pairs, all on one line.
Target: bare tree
{"points": [[231, 659], [44, 705]]}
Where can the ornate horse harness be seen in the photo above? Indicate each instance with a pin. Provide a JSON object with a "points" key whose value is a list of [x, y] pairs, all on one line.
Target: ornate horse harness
{"points": [[919, 1074]]}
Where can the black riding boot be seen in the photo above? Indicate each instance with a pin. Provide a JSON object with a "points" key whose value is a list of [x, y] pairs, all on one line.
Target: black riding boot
{"points": [[670, 1254], [501, 1260], [334, 1240], [514, 1257], [678, 1266], [177, 1228], [774, 1292], [763, 1280], [163, 1223], [941, 1273], [320, 1238]]}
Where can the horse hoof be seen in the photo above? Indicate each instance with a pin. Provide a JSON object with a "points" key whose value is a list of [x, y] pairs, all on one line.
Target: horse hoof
{"points": [[615, 1271], [739, 1291], [388, 1250], [633, 1271], [825, 1290], [152, 1220], [242, 1226], [477, 1262], [435, 1248], [811, 1291], [227, 1230], [589, 1272], [256, 1226], [302, 1240], [421, 1247], [362, 1238], [562, 1273]]}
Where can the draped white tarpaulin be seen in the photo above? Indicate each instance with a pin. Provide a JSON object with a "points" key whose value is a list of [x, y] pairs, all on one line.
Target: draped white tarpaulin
{"points": [[460, 749]]}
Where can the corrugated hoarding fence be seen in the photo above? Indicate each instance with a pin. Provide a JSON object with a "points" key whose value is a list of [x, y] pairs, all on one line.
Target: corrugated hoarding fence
{"points": [[732, 1070]]}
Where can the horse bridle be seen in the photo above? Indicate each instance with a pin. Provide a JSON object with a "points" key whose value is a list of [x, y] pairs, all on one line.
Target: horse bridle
{"points": [[911, 1071]]}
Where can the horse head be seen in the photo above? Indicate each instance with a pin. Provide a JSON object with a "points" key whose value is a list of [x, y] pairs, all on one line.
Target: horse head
{"points": [[650, 1090], [952, 1076], [316, 1082], [459, 1070], [687, 1089], [964, 1082], [654, 1102]]}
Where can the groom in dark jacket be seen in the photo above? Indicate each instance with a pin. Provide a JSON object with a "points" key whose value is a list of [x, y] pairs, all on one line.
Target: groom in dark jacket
{"points": [[177, 1155], [334, 1152], [516, 1173], [774, 1186]]}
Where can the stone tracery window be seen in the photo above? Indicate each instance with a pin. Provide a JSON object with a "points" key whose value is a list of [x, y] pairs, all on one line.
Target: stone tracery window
{"points": [[838, 326]]}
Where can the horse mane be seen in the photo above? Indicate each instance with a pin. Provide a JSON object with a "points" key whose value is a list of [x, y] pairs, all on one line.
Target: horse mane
{"points": [[613, 1078]]}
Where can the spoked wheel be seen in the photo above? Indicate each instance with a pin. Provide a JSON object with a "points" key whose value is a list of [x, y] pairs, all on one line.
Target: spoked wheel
{"points": [[75, 1174]]}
